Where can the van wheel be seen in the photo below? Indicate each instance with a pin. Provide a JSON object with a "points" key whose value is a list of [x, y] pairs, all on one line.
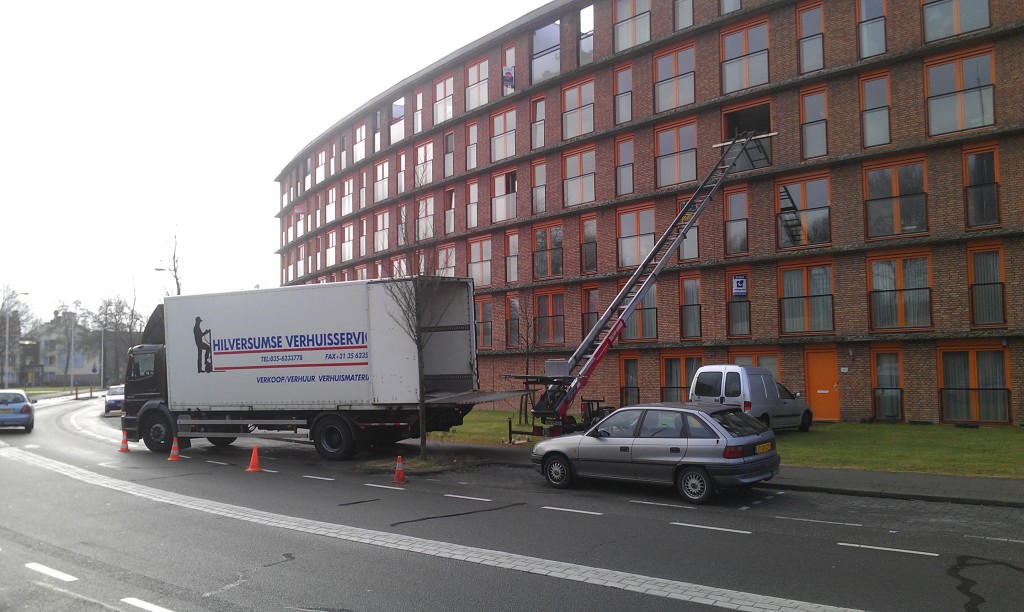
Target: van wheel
{"points": [[805, 422], [333, 438], [558, 471], [156, 433], [694, 484], [221, 442], [764, 419]]}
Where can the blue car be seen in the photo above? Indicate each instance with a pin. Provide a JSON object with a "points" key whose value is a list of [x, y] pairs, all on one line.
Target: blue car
{"points": [[16, 409], [114, 399]]}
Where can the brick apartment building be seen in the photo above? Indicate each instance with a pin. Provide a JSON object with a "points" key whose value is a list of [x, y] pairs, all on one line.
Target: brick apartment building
{"points": [[869, 264]]}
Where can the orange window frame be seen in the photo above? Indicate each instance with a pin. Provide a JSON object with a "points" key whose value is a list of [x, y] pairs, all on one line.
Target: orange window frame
{"points": [[548, 236], [756, 354], [553, 300], [677, 135], [640, 314], [802, 180], [980, 149], [893, 165], [745, 28], [683, 279], [957, 58], [987, 246], [475, 255], [956, 20], [509, 339], [972, 348], [898, 257], [804, 266], [636, 212], [616, 83], [727, 208], [805, 8], [484, 306], [625, 356], [682, 356], [805, 95]]}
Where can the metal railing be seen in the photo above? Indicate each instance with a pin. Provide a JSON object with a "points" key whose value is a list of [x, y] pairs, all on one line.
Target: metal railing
{"points": [[961, 110], [547, 263], [673, 92], [689, 321], [988, 304], [550, 330], [900, 308], [806, 313], [804, 227], [675, 168], [974, 405], [887, 403], [745, 71], [909, 210], [982, 201], [578, 189]]}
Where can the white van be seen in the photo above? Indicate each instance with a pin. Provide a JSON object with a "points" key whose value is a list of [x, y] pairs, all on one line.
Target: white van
{"points": [[755, 390]]}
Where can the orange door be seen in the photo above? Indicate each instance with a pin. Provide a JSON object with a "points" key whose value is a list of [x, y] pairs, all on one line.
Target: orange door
{"points": [[822, 367]]}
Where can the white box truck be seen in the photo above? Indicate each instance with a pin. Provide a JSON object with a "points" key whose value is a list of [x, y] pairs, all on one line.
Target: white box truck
{"points": [[335, 362]]}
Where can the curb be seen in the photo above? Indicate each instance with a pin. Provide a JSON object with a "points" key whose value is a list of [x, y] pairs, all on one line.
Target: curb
{"points": [[892, 495]]}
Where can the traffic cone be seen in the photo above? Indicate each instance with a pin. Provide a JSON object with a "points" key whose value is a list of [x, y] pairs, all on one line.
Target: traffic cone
{"points": [[399, 472], [254, 463], [174, 450], [124, 443]]}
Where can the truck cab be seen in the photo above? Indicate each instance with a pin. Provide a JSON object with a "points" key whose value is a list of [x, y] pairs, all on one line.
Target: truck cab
{"points": [[145, 388]]}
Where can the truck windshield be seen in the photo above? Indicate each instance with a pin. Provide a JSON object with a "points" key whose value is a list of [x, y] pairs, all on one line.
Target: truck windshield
{"points": [[141, 365]]}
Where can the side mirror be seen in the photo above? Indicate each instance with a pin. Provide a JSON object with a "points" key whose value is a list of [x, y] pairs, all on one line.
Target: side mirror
{"points": [[798, 395]]}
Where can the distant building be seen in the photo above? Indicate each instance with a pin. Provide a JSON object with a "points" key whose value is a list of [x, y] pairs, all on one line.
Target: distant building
{"points": [[869, 265], [54, 343]]}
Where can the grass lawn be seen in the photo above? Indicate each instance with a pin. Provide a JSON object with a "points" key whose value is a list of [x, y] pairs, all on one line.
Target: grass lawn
{"points": [[935, 449]]}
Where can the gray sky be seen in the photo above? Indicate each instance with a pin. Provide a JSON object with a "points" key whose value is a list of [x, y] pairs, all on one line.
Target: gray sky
{"points": [[127, 123]]}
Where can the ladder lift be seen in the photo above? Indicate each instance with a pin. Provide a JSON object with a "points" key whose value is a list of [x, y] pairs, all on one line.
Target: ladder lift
{"points": [[563, 379]]}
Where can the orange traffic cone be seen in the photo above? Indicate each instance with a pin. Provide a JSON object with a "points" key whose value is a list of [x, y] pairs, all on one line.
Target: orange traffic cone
{"points": [[254, 463], [399, 473], [174, 450], [124, 443]]}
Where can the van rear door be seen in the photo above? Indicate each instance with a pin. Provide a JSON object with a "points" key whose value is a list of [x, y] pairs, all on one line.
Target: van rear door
{"points": [[707, 387]]}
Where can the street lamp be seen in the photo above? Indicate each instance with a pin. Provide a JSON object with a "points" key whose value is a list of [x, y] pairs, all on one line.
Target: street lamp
{"points": [[7, 338]]}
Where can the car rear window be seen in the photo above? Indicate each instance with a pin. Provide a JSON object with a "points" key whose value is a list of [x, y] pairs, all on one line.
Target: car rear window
{"points": [[11, 398], [738, 423], [709, 384]]}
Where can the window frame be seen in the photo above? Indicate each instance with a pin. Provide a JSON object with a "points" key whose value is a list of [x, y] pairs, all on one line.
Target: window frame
{"points": [[552, 253], [893, 165], [745, 27], [727, 194], [988, 246], [578, 121], [685, 306], [803, 180], [972, 348], [554, 319], [475, 99], [638, 252], [805, 266], [575, 179], [957, 59], [480, 247], [898, 257], [805, 95], [862, 26], [864, 110], [679, 154], [817, 5], [981, 149], [676, 75], [956, 25]]}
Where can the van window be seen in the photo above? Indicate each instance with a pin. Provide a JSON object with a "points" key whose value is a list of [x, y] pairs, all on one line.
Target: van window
{"points": [[709, 384], [757, 391], [770, 386], [732, 384], [784, 392]]}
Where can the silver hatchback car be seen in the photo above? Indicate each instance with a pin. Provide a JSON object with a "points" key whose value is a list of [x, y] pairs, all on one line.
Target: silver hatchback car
{"points": [[698, 448]]}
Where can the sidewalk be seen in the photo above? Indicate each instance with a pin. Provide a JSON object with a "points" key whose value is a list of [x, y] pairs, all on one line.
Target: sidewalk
{"points": [[1008, 492]]}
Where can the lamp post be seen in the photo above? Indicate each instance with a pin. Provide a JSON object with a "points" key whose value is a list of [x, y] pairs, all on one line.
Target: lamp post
{"points": [[7, 338]]}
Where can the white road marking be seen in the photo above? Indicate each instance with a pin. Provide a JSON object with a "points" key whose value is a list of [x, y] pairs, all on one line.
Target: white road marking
{"points": [[185, 456], [217, 462], [712, 528], [806, 520], [571, 510], [994, 539], [639, 583], [270, 471], [899, 550], [647, 503], [318, 478], [467, 497], [145, 605], [377, 486], [49, 571]]}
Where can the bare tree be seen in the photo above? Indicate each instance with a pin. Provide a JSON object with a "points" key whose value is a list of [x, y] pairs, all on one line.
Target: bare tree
{"points": [[120, 327], [173, 269], [15, 317]]}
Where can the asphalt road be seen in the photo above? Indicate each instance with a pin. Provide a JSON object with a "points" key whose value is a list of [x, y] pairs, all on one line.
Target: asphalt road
{"points": [[136, 531]]}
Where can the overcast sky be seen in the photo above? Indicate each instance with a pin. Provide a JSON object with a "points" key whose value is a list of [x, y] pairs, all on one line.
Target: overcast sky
{"points": [[127, 123]]}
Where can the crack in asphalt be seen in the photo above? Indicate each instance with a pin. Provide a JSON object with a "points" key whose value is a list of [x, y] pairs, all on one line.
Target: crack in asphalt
{"points": [[243, 575], [441, 516], [966, 586], [362, 501]]}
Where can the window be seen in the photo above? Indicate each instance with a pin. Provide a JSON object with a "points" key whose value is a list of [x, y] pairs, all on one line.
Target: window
{"points": [[449, 154], [632, 23], [417, 115], [960, 93], [676, 154], [402, 230], [988, 292], [539, 190], [424, 172], [397, 120], [736, 237], [471, 139], [683, 14], [511, 257], [981, 186], [728, 6], [380, 185], [590, 312], [874, 114], [973, 383], [586, 45], [673, 79], [689, 247], [513, 315], [382, 221], [871, 27], [449, 211], [425, 219], [399, 266], [363, 233], [321, 164], [332, 204], [480, 261], [900, 293], [503, 134], [578, 185], [547, 55], [887, 388], [378, 122], [446, 260], [550, 321], [810, 24], [508, 70], [363, 182], [547, 252], [359, 149], [537, 126], [476, 85], [483, 322], [629, 391], [813, 133], [750, 117], [360, 273], [944, 18], [805, 305], [764, 358], [624, 166], [642, 324], [738, 303], [348, 241], [400, 178], [472, 201], [636, 236], [588, 245], [689, 307], [803, 218], [443, 99], [503, 204], [745, 57], [677, 372], [897, 203], [623, 95], [578, 110]]}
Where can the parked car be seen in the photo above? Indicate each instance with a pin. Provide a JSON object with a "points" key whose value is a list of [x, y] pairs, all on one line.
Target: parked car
{"points": [[700, 448], [753, 389], [114, 399], [16, 409]]}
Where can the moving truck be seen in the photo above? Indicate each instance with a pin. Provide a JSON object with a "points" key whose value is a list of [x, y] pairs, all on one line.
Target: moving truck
{"points": [[334, 362]]}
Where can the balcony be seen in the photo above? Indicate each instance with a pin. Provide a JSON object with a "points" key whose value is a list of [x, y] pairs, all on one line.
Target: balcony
{"points": [[423, 173], [982, 205], [578, 121], [443, 110], [676, 168], [380, 190], [961, 110], [900, 309], [800, 228], [745, 71], [887, 403], [578, 190], [503, 207], [973, 405], [632, 32], [896, 216], [806, 314], [547, 263], [673, 93]]}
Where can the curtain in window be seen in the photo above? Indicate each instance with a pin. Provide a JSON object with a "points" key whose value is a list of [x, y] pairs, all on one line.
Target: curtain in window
{"points": [[770, 363], [821, 298], [987, 290], [883, 296], [673, 381], [631, 377], [692, 364], [916, 299], [993, 396], [691, 315], [956, 383], [888, 391], [649, 322], [792, 309]]}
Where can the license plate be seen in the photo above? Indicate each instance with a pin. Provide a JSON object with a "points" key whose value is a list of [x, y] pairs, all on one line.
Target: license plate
{"points": [[6, 410], [764, 448]]}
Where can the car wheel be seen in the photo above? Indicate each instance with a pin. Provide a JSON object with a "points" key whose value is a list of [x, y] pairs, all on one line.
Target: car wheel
{"points": [[28, 428], [558, 471], [333, 438], [221, 442], [156, 433], [694, 484], [805, 422], [764, 419]]}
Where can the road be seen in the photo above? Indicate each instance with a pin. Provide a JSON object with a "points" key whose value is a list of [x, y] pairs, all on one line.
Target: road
{"points": [[85, 527]]}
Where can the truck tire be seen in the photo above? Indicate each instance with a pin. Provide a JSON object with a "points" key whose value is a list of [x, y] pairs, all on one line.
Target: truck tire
{"points": [[333, 438], [156, 432], [221, 442]]}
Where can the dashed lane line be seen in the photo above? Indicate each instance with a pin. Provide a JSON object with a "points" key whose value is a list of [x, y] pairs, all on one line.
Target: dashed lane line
{"points": [[740, 531], [145, 605], [572, 510], [650, 585], [377, 486], [977, 537], [883, 548], [317, 477], [807, 520], [479, 499], [49, 571], [649, 503]]}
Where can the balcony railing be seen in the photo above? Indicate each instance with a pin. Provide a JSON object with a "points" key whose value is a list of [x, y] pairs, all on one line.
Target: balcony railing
{"points": [[738, 318], [503, 207], [633, 249], [673, 93], [578, 121], [547, 263], [808, 227], [676, 168], [550, 330], [745, 71], [483, 333], [449, 221], [476, 95], [875, 126], [814, 139], [545, 65], [537, 134], [623, 179], [380, 240], [806, 314], [424, 173], [629, 396], [380, 190], [449, 164], [539, 198], [624, 107], [503, 145], [974, 405], [812, 54], [736, 237], [642, 324], [443, 110], [586, 49], [471, 157], [904, 214], [673, 394], [400, 182], [887, 403], [900, 308], [988, 304], [425, 227], [397, 131], [961, 110], [982, 204], [579, 189], [632, 32], [872, 37], [588, 258], [689, 321]]}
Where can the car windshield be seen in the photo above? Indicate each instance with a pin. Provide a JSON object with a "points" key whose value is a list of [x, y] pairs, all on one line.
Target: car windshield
{"points": [[11, 398], [738, 423], [118, 390]]}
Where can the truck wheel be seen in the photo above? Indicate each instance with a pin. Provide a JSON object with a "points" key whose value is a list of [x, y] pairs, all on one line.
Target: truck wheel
{"points": [[558, 471], [694, 484], [156, 433], [221, 442], [333, 438]]}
